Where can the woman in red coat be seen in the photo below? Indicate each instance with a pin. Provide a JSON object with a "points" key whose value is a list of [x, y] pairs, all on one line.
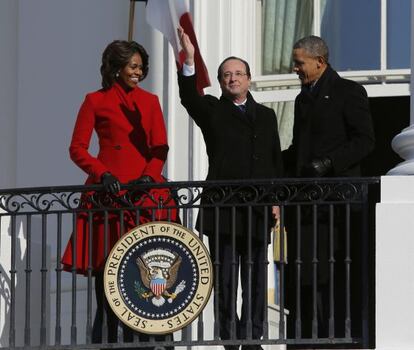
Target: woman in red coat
{"points": [[132, 148]]}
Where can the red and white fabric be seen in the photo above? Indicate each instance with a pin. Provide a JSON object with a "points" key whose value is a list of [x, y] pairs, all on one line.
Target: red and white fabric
{"points": [[166, 16]]}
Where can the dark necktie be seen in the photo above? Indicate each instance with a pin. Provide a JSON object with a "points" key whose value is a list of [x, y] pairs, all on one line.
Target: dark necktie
{"points": [[242, 108]]}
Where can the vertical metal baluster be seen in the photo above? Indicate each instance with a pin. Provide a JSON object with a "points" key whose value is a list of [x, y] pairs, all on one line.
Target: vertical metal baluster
{"points": [[153, 214], [135, 335], [234, 272], [44, 271], [348, 272], [249, 262], [104, 325], [265, 236], [365, 263], [315, 273], [160, 205], [186, 331], [169, 338], [331, 273], [121, 331], [185, 217], [12, 331], [137, 217], [73, 330], [28, 278], [282, 333], [152, 339], [89, 281], [177, 206], [121, 224], [200, 323], [216, 274], [58, 328], [1, 267], [298, 265]]}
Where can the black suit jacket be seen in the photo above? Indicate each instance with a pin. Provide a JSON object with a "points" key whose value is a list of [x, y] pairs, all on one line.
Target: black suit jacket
{"points": [[239, 146], [332, 121]]}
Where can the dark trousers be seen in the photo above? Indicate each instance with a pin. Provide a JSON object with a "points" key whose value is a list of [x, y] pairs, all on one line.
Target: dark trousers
{"points": [[253, 274], [113, 322]]}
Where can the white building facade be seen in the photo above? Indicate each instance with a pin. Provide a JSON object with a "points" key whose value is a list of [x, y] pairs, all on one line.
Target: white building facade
{"points": [[50, 52]]}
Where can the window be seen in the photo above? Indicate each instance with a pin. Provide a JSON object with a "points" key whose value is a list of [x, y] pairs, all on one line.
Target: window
{"points": [[352, 30], [369, 42], [398, 34]]}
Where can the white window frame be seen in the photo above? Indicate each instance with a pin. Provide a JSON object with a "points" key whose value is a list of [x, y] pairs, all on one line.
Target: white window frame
{"points": [[284, 87]]}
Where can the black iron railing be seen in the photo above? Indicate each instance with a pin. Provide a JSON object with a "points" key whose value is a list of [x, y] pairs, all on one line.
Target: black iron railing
{"points": [[324, 275]]}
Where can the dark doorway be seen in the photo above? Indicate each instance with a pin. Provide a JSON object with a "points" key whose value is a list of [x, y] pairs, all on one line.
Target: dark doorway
{"points": [[390, 115]]}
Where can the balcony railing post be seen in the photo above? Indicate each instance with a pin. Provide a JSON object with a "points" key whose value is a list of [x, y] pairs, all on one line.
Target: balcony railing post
{"points": [[73, 328], [58, 327], [348, 271], [12, 331], [283, 253], [44, 271], [366, 259], [332, 276], [28, 272]]}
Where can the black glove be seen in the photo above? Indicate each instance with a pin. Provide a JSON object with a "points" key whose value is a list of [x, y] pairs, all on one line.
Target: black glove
{"points": [[318, 167], [111, 183], [144, 179]]}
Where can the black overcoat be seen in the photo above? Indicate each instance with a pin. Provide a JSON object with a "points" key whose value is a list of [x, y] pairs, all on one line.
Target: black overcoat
{"points": [[239, 146], [332, 121]]}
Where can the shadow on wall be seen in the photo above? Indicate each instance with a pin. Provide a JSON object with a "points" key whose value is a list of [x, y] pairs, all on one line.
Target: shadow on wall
{"points": [[390, 116]]}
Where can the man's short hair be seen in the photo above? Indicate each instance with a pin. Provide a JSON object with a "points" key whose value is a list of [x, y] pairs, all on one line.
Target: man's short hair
{"points": [[219, 72], [314, 46]]}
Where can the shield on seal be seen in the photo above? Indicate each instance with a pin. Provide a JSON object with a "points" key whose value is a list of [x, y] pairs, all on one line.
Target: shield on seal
{"points": [[157, 286], [163, 278]]}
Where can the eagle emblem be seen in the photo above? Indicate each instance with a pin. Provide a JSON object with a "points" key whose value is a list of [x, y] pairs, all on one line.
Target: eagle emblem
{"points": [[158, 269]]}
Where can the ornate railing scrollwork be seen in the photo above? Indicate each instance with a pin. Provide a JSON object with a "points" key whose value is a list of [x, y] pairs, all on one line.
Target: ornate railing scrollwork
{"points": [[186, 194]]}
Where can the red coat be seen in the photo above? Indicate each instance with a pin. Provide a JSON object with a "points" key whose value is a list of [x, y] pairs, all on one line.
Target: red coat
{"points": [[132, 142]]}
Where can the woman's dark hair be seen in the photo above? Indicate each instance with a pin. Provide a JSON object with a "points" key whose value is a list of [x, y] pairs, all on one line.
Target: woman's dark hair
{"points": [[116, 56]]}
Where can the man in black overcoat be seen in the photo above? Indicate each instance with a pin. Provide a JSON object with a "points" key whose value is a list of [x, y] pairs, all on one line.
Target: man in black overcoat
{"points": [[332, 133], [242, 142]]}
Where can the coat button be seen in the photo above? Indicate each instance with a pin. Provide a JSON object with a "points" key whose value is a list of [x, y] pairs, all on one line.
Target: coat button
{"points": [[118, 147]]}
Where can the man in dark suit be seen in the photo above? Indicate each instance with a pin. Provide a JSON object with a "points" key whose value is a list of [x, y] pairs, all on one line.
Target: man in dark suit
{"points": [[332, 133], [242, 142]]}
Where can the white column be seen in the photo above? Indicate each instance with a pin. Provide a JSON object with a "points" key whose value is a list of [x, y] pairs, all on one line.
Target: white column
{"points": [[403, 143], [394, 266]]}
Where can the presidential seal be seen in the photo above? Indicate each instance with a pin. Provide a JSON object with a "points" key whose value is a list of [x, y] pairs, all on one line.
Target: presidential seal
{"points": [[158, 277]]}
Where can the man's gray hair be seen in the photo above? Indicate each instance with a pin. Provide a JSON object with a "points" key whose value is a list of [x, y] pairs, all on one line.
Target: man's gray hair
{"points": [[314, 46]]}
